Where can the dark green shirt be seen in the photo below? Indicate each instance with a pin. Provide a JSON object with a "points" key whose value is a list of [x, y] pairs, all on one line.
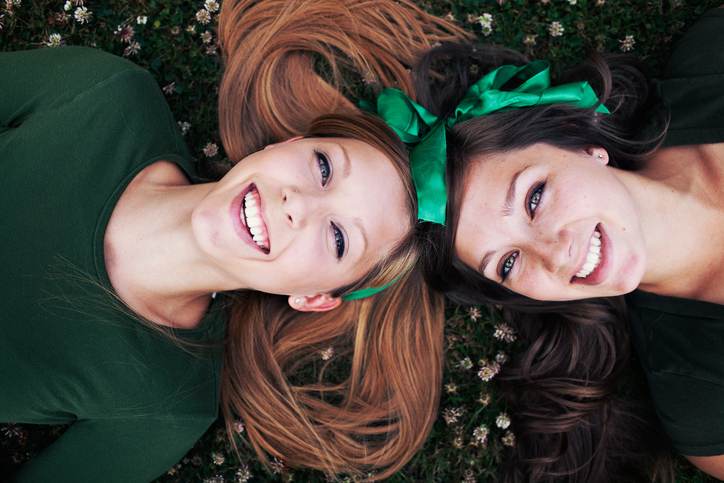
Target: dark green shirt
{"points": [[680, 342], [76, 125]]}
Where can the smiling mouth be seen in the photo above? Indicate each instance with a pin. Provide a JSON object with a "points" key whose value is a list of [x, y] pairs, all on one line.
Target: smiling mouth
{"points": [[251, 218], [593, 260]]}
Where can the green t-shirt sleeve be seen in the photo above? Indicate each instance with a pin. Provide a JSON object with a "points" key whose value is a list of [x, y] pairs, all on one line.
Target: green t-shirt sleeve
{"points": [[43, 79], [113, 451]]}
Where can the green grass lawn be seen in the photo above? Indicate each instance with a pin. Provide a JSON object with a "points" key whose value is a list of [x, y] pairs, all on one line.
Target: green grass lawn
{"points": [[175, 40]]}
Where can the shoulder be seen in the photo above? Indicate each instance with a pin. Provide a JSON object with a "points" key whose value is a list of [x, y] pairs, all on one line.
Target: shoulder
{"points": [[713, 465]]}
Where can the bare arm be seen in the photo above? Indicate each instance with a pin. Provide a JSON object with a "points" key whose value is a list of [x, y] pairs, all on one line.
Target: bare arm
{"points": [[713, 465]]}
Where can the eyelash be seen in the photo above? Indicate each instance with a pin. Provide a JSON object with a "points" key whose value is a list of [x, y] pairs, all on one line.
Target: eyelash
{"points": [[531, 205], [325, 167], [339, 244]]}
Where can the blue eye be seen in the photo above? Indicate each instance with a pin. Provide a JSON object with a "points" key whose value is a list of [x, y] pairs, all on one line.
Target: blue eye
{"points": [[507, 265], [325, 167], [534, 198], [339, 244]]}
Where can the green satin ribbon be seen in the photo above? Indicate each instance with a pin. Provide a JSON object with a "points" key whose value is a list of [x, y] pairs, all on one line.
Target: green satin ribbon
{"points": [[416, 126]]}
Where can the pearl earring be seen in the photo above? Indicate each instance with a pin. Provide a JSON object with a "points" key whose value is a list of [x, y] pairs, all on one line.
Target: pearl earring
{"points": [[298, 300], [599, 156]]}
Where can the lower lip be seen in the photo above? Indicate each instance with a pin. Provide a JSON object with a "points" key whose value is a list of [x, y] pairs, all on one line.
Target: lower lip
{"points": [[236, 220], [600, 273]]}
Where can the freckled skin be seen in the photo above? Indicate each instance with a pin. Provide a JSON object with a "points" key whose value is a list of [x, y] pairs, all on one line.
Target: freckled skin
{"points": [[580, 192]]}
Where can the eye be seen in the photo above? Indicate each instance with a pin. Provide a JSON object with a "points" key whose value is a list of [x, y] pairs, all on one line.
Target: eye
{"points": [[534, 198], [325, 167], [339, 244], [507, 265]]}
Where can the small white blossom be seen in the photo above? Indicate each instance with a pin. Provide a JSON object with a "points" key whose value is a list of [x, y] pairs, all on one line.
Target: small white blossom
{"points": [[572, 2], [465, 364], [276, 466], [469, 476], [126, 33], [203, 16], [600, 3], [132, 49], [488, 370], [327, 353], [486, 23], [169, 89], [501, 357], [480, 434], [141, 20], [627, 43], [452, 415], [238, 427], [502, 421], [217, 458], [530, 40], [450, 17], [82, 15], [211, 5], [207, 37], [484, 399], [504, 332], [451, 388], [68, 6], [243, 474], [191, 29], [184, 126], [210, 50], [556, 29], [508, 439], [211, 150], [54, 40], [474, 313]]}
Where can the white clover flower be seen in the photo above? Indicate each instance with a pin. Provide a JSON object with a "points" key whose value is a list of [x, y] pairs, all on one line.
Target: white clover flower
{"points": [[452, 415], [54, 40], [474, 313], [469, 476], [207, 37], [191, 29], [488, 370], [184, 126], [465, 364], [217, 458], [132, 49], [572, 2], [16, 3], [486, 23], [508, 439], [276, 466], [243, 474], [480, 434], [238, 427], [203, 16], [501, 357], [82, 15], [627, 43], [169, 89], [211, 150], [210, 50], [504, 332], [484, 399], [530, 40], [502, 421], [68, 6], [141, 20], [451, 388], [556, 29], [327, 353], [211, 5], [125, 33]]}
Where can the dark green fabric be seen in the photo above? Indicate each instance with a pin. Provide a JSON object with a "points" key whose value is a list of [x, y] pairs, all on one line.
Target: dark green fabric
{"points": [[76, 125], [680, 342]]}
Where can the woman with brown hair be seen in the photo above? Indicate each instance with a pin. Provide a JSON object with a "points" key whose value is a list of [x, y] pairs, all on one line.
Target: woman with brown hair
{"points": [[563, 199], [123, 269]]}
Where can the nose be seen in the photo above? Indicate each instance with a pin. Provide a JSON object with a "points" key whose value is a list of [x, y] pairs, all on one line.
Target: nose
{"points": [[552, 250], [298, 207]]}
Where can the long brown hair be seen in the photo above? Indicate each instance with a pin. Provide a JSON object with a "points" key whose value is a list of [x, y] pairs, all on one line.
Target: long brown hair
{"points": [[379, 415], [579, 403]]}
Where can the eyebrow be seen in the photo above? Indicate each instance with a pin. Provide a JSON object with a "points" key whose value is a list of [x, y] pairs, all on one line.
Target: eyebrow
{"points": [[507, 210]]}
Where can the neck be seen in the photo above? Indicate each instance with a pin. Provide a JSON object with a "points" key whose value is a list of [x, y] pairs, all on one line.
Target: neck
{"points": [[161, 272]]}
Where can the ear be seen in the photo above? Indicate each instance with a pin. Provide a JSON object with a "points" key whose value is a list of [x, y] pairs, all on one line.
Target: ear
{"points": [[599, 154], [314, 303], [290, 140]]}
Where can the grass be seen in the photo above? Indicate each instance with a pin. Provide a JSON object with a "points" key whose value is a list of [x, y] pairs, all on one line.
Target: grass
{"points": [[170, 39]]}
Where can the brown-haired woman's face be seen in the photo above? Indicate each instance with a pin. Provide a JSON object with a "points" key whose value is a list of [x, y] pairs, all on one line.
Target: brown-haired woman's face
{"points": [[551, 224], [304, 216]]}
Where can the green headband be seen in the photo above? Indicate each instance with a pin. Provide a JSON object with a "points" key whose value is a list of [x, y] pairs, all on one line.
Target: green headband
{"points": [[425, 133]]}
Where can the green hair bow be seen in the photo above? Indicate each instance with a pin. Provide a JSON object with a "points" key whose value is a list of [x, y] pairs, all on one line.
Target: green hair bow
{"points": [[425, 132], [416, 126]]}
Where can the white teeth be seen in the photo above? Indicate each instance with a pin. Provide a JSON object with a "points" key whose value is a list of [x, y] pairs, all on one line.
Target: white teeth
{"points": [[593, 258], [252, 218]]}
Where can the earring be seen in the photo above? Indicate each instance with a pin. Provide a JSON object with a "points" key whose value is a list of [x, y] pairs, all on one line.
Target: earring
{"points": [[599, 156], [298, 301]]}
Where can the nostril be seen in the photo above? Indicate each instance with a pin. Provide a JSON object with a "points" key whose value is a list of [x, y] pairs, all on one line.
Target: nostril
{"points": [[284, 198], [289, 217]]}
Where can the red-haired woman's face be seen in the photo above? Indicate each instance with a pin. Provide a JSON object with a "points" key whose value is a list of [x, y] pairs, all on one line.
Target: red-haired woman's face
{"points": [[551, 224], [303, 217]]}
